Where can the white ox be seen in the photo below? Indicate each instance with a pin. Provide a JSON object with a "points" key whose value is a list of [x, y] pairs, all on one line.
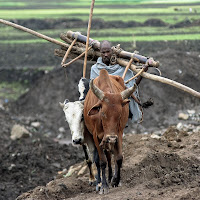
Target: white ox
{"points": [[74, 116]]}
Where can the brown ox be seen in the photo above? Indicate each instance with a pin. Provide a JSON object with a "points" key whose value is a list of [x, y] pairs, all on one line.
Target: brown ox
{"points": [[106, 113]]}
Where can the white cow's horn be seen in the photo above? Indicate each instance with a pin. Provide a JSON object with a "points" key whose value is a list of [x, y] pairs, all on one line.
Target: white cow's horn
{"points": [[99, 93], [127, 93]]}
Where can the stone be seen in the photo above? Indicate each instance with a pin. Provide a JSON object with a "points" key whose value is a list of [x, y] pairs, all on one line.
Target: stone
{"points": [[61, 129], [191, 112], [179, 126], [35, 124], [183, 116], [154, 136], [18, 132]]}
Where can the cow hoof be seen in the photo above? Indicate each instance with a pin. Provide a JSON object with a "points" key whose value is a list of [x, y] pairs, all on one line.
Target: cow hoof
{"points": [[104, 190], [92, 183], [98, 187], [114, 182]]}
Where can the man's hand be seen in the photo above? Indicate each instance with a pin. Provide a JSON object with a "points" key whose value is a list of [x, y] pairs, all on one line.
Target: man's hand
{"points": [[146, 67]]}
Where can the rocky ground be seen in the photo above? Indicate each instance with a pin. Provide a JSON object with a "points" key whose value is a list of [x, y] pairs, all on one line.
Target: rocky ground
{"points": [[165, 166]]}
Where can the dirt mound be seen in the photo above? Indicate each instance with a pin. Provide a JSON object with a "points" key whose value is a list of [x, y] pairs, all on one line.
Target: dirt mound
{"points": [[154, 22], [151, 169], [186, 23], [41, 24], [161, 169]]}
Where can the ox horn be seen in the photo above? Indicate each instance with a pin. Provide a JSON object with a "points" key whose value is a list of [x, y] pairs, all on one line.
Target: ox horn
{"points": [[99, 93], [127, 93]]}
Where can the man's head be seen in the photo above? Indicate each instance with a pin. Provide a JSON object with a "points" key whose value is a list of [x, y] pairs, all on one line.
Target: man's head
{"points": [[106, 52]]}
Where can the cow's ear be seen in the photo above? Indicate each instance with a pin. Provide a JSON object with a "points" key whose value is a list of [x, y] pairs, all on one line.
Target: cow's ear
{"points": [[94, 110], [125, 101]]}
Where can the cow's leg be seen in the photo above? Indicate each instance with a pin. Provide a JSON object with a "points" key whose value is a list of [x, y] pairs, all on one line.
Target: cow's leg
{"points": [[108, 155], [118, 163], [98, 176], [92, 180], [116, 178], [104, 187], [103, 162]]}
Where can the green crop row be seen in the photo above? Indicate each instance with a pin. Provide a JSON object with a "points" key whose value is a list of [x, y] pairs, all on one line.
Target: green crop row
{"points": [[108, 11], [16, 3], [119, 38], [11, 33]]}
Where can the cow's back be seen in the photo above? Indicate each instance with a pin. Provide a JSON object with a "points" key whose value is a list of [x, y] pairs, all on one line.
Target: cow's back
{"points": [[107, 83]]}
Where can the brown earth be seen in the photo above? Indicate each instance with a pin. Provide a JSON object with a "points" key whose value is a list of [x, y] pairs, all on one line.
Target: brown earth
{"points": [[152, 169]]}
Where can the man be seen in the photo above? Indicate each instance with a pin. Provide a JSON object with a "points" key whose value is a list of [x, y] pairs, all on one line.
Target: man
{"points": [[103, 62]]}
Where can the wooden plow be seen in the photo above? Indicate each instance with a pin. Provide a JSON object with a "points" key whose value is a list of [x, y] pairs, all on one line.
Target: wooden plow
{"points": [[74, 46]]}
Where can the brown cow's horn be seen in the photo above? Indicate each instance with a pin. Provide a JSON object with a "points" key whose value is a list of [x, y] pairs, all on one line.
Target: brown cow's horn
{"points": [[99, 94], [127, 93]]}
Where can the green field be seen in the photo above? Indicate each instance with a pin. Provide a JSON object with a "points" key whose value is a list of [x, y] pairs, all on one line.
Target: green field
{"points": [[170, 12]]}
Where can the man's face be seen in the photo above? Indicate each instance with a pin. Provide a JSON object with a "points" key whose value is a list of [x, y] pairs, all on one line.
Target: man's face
{"points": [[106, 53]]}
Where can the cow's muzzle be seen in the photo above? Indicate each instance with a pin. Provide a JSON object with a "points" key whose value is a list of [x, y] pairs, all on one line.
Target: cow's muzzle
{"points": [[112, 139], [77, 141], [109, 142]]}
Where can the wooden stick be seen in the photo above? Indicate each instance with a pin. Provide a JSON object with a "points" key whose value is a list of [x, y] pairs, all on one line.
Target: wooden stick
{"points": [[68, 51], [22, 28], [161, 79], [88, 36], [67, 64], [135, 76], [127, 67]]}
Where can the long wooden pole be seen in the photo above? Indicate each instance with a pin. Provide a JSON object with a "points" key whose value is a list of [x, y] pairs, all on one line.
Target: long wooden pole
{"points": [[161, 79], [88, 36], [22, 28]]}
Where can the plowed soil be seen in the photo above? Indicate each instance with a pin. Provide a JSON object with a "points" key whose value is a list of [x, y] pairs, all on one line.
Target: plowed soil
{"points": [[152, 169]]}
